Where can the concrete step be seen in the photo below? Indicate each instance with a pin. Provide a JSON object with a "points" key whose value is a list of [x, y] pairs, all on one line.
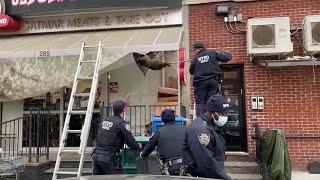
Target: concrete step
{"points": [[233, 167], [88, 172], [239, 156], [245, 176], [241, 167], [72, 163], [85, 172], [238, 166]]}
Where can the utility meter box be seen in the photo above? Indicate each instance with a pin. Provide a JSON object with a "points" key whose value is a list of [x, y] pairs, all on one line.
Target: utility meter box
{"points": [[254, 103], [260, 103]]}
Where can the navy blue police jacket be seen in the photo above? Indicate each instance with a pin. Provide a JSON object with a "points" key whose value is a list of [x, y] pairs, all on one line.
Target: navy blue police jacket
{"points": [[204, 150], [169, 139], [112, 134], [204, 65]]}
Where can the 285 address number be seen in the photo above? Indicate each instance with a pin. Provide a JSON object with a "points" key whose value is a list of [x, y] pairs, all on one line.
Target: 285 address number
{"points": [[44, 53]]}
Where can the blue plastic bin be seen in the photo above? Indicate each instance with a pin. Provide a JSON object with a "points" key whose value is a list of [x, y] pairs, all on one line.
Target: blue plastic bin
{"points": [[157, 122]]}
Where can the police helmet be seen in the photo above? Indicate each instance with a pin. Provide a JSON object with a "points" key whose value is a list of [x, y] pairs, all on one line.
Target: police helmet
{"points": [[168, 115]]}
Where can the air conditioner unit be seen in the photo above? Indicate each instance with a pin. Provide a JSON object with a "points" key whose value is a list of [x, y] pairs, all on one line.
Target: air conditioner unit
{"points": [[311, 33], [269, 36]]}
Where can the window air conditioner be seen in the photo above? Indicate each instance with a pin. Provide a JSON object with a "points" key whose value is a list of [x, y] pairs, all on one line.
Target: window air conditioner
{"points": [[269, 36], [311, 33]]}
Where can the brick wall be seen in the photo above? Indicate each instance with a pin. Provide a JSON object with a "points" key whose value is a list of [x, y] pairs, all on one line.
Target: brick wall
{"points": [[292, 99]]}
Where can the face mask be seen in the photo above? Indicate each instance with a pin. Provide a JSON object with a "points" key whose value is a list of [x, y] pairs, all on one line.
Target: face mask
{"points": [[222, 120]]}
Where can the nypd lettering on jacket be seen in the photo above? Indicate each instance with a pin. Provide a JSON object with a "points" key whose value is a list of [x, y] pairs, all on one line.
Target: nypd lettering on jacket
{"points": [[203, 59], [205, 65], [106, 125]]}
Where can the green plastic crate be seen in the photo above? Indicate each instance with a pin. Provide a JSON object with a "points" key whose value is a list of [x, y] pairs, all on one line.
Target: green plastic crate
{"points": [[129, 160]]}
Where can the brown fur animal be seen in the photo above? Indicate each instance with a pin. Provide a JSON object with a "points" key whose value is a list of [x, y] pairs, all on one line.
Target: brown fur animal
{"points": [[147, 61]]}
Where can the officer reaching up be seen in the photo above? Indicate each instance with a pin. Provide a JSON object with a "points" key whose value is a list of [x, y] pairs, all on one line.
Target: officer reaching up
{"points": [[206, 74], [169, 139], [111, 136], [204, 149]]}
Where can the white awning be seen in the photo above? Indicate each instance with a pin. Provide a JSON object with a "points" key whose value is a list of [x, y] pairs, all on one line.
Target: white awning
{"points": [[35, 64], [66, 44]]}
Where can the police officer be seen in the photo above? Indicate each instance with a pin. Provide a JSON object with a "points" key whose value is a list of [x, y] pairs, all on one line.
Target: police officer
{"points": [[204, 150], [206, 74], [169, 139], [111, 136]]}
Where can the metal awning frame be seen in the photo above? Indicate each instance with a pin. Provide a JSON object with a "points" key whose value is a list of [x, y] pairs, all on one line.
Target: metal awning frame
{"points": [[75, 52], [154, 47]]}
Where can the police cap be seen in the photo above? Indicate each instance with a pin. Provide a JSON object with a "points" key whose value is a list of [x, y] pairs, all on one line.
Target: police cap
{"points": [[198, 45], [217, 103]]}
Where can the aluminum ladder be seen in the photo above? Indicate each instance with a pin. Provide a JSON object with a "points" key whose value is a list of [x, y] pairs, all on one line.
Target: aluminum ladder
{"points": [[71, 111]]}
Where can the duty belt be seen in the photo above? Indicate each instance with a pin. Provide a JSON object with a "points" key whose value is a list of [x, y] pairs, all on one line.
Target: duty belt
{"points": [[101, 148], [172, 162]]}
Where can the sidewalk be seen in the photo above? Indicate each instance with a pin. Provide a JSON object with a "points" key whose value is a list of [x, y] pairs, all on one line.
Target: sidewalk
{"points": [[299, 175]]}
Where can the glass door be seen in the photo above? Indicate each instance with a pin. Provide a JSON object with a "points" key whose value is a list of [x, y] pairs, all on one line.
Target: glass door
{"points": [[234, 132]]}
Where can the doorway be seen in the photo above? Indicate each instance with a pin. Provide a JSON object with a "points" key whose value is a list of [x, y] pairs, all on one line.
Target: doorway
{"points": [[234, 132]]}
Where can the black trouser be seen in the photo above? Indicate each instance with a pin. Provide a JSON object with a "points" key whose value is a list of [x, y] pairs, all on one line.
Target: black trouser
{"points": [[106, 163], [203, 91], [174, 170]]}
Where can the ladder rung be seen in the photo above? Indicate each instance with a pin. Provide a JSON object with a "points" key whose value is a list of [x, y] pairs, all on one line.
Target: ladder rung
{"points": [[78, 112], [82, 94], [74, 131], [87, 61], [67, 172], [70, 150], [84, 78], [90, 47]]}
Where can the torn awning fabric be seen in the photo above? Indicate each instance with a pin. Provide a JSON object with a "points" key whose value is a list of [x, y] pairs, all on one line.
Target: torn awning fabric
{"points": [[31, 65]]}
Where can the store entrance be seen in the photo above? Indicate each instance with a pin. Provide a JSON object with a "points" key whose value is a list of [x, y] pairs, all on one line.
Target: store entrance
{"points": [[234, 132]]}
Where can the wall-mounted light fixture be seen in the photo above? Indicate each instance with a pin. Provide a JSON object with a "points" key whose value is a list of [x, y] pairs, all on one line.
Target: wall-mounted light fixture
{"points": [[222, 9]]}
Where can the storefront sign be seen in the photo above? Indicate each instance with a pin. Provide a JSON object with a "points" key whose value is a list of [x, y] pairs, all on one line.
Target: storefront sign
{"points": [[21, 3], [113, 87], [44, 7], [101, 21], [7, 24]]}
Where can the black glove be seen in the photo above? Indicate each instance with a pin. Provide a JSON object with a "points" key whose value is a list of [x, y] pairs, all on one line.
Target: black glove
{"points": [[141, 155]]}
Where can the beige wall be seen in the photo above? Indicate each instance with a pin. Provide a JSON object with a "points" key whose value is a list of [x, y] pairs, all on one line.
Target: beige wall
{"points": [[12, 110], [141, 89]]}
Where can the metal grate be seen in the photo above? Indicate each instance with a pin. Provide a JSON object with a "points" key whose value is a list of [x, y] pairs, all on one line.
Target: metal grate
{"points": [[315, 29], [263, 35]]}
